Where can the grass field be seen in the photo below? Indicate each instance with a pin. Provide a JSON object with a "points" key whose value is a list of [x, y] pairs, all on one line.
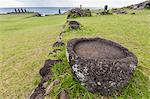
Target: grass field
{"points": [[26, 42]]}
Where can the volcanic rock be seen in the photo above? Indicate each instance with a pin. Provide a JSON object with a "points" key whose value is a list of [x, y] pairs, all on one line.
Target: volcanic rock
{"points": [[100, 65], [38, 93], [142, 5], [58, 44], [78, 12], [73, 25], [45, 70], [119, 11]]}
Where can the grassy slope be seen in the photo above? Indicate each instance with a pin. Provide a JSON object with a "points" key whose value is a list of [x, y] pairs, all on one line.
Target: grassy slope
{"points": [[25, 43], [132, 31]]}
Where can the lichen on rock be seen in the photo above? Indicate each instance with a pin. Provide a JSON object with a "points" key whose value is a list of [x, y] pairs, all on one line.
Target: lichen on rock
{"points": [[100, 65]]}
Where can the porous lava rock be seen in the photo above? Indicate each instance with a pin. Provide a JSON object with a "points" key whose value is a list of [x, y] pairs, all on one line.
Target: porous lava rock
{"points": [[142, 5], [100, 65], [45, 70], [72, 25], [119, 11], [78, 12], [38, 93]]}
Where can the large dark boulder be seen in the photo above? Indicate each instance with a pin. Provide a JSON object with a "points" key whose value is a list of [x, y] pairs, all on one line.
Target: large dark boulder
{"points": [[100, 65], [78, 12]]}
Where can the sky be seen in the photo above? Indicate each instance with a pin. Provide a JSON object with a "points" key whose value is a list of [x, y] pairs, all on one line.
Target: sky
{"points": [[67, 3]]}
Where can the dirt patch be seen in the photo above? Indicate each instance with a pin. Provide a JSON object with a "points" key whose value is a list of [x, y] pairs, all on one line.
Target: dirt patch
{"points": [[95, 49]]}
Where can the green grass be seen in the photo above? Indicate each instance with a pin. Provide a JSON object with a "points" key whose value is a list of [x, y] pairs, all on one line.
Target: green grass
{"points": [[26, 42]]}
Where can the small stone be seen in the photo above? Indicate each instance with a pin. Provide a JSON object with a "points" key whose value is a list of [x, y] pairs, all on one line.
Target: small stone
{"points": [[58, 44], [73, 25], [133, 13], [45, 70]]}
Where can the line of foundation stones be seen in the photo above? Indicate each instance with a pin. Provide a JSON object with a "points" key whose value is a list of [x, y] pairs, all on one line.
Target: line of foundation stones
{"points": [[42, 90]]}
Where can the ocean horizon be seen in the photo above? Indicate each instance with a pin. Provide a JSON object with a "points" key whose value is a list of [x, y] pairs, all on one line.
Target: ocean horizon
{"points": [[42, 10]]}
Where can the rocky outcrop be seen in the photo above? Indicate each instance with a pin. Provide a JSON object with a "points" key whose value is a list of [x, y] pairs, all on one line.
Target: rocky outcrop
{"points": [[78, 12], [119, 11], [142, 5], [100, 65]]}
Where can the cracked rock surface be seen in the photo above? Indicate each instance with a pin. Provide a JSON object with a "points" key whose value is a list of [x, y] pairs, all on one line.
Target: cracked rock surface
{"points": [[100, 65]]}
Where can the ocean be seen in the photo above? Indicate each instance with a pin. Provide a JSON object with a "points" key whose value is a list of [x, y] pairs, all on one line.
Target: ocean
{"points": [[41, 10]]}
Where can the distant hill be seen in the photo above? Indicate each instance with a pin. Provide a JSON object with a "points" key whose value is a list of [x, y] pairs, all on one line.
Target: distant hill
{"points": [[142, 5]]}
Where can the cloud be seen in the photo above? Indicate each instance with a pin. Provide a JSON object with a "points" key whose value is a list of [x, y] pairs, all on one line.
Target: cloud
{"points": [[66, 3], [10, 3]]}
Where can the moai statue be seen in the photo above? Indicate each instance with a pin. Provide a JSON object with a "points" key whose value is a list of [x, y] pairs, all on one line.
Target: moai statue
{"points": [[106, 8], [18, 10], [15, 10], [22, 10], [80, 6], [59, 11], [25, 10]]}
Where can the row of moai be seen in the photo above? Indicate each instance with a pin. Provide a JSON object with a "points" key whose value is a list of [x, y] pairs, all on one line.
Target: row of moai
{"points": [[21, 10]]}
